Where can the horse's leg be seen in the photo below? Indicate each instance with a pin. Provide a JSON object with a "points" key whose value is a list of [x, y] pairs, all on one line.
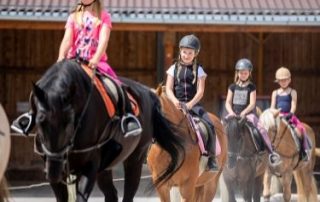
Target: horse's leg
{"points": [[247, 189], [132, 170], [200, 194], [210, 189], [164, 193], [266, 185], [257, 188], [85, 185], [187, 190], [286, 184], [230, 184], [105, 184], [60, 191]]}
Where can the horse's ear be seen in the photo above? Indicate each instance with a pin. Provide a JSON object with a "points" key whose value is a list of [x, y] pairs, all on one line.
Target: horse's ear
{"points": [[40, 95], [159, 89]]}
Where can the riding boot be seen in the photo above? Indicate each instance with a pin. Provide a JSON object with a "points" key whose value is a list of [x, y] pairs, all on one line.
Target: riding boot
{"points": [[306, 148], [24, 123], [130, 125], [212, 165]]}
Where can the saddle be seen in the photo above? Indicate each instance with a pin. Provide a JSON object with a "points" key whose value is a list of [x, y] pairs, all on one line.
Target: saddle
{"points": [[294, 134], [109, 91], [205, 131], [255, 136]]}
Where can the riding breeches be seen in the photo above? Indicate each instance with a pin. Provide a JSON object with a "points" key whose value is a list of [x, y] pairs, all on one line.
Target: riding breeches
{"points": [[264, 133]]}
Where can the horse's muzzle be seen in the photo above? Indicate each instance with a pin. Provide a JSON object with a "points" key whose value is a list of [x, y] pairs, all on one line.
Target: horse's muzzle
{"points": [[55, 169]]}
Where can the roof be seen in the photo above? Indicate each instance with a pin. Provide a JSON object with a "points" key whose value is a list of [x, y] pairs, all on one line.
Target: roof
{"points": [[281, 12]]}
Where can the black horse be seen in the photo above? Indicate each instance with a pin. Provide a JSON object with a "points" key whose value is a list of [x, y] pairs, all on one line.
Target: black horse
{"points": [[76, 135], [245, 167]]}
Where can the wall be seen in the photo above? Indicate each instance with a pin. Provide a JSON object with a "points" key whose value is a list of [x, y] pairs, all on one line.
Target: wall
{"points": [[26, 54]]}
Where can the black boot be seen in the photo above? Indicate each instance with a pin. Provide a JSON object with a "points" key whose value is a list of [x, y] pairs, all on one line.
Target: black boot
{"points": [[305, 155], [212, 164], [24, 123]]}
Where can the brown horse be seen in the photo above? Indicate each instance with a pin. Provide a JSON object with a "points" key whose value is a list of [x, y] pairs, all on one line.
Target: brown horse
{"points": [[5, 143], [284, 143], [194, 184]]}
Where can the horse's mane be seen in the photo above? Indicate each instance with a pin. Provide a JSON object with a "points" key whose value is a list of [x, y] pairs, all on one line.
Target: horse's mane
{"points": [[267, 118], [61, 79]]}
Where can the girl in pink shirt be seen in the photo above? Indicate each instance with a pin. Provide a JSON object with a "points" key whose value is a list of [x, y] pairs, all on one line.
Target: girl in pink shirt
{"points": [[86, 37]]}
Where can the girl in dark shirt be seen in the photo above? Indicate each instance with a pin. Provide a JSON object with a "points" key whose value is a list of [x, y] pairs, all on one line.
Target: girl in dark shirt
{"points": [[241, 101]]}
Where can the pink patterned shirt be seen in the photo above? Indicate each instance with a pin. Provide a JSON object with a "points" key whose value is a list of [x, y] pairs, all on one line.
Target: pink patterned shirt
{"points": [[86, 36]]}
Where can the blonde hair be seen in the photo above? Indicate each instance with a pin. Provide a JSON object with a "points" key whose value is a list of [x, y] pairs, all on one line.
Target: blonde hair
{"points": [[194, 68], [236, 77], [97, 7]]}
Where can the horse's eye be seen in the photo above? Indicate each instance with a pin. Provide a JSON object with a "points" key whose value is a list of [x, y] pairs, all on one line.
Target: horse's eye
{"points": [[41, 117]]}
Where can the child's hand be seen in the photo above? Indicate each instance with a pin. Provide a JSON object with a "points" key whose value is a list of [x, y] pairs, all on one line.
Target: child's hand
{"points": [[243, 114], [189, 106], [177, 104], [93, 63]]}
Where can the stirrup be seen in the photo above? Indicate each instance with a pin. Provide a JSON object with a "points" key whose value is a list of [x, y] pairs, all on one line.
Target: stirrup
{"points": [[307, 153], [124, 129], [271, 160], [18, 127]]}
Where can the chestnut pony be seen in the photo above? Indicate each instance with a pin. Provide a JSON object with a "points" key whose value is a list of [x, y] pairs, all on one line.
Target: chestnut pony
{"points": [[194, 184], [284, 144]]}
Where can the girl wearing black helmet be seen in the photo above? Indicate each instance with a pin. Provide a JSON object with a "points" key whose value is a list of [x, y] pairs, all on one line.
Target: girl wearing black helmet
{"points": [[186, 84], [241, 101]]}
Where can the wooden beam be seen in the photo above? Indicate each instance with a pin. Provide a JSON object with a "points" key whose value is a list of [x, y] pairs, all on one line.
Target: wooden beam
{"points": [[169, 41], [154, 27], [260, 64]]}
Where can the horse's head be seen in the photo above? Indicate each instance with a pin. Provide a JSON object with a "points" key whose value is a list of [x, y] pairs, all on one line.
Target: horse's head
{"points": [[54, 106], [234, 127]]}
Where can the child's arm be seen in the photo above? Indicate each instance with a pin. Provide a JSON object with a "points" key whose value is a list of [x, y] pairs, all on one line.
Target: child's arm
{"points": [[293, 101], [200, 90], [65, 43], [252, 104], [273, 99], [169, 91], [228, 104], [102, 46]]}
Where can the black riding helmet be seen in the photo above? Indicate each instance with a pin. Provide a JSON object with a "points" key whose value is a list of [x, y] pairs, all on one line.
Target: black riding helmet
{"points": [[190, 41], [244, 64]]}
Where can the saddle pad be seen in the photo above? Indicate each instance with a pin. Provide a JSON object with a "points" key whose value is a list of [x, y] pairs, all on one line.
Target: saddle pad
{"points": [[100, 87], [204, 135]]}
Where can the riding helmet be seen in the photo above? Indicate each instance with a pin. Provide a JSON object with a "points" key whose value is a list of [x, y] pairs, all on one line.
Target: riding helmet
{"points": [[282, 73], [190, 41], [244, 64]]}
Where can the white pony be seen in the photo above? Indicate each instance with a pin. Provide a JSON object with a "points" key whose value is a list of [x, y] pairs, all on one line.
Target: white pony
{"points": [[287, 146]]}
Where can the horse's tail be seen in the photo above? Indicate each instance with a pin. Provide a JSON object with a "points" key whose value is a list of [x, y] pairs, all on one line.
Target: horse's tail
{"points": [[164, 133]]}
